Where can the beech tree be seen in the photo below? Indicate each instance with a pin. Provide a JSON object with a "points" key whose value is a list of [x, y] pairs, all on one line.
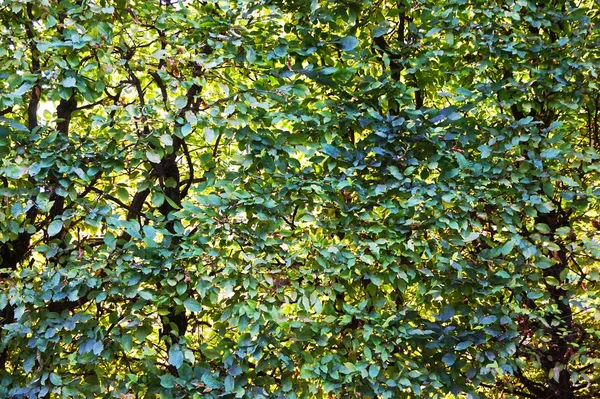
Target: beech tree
{"points": [[299, 199]]}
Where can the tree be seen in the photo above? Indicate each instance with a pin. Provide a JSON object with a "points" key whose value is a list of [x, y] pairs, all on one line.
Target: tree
{"points": [[299, 199]]}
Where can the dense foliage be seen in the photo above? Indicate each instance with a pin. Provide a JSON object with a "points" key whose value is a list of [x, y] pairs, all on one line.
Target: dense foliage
{"points": [[299, 199]]}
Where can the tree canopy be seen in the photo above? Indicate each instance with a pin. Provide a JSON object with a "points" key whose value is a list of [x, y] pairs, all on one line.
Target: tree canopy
{"points": [[299, 199]]}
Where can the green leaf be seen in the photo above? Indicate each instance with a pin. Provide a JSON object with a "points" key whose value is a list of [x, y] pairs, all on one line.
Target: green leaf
{"points": [[55, 227], [463, 345], [250, 54], [157, 198], [472, 236], [186, 129], [209, 135], [24, 88], [166, 139], [432, 32], [568, 181], [192, 305], [552, 281], [73, 60], [485, 151], [175, 356], [348, 43], [167, 381], [28, 364], [122, 194], [181, 102], [16, 209], [503, 274], [446, 313], [534, 295], [55, 379], [414, 374], [229, 384], [153, 156], [449, 359], [381, 29], [69, 82], [488, 320], [142, 332], [550, 153], [373, 371], [127, 342], [542, 228], [14, 124], [212, 382], [350, 368], [149, 231], [181, 288], [455, 116], [280, 51], [544, 263]]}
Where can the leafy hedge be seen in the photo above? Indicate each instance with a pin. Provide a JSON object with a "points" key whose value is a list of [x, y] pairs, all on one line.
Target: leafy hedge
{"points": [[299, 199]]}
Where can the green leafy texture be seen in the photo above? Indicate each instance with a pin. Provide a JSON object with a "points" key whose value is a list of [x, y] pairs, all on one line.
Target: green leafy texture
{"points": [[299, 199]]}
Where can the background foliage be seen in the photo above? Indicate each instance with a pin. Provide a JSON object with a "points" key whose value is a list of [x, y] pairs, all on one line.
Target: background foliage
{"points": [[282, 199]]}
